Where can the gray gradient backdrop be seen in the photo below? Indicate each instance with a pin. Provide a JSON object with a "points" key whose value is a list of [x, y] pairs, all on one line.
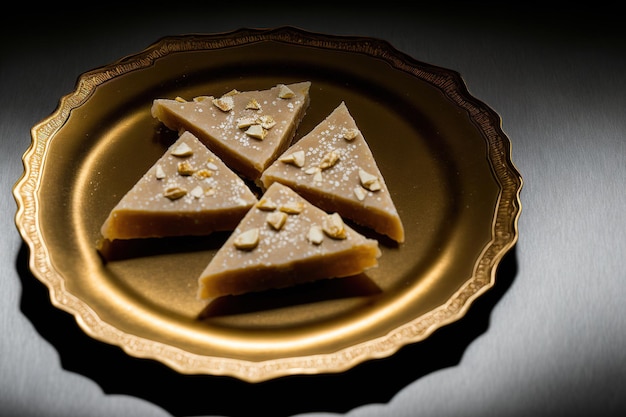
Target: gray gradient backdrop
{"points": [[548, 340]]}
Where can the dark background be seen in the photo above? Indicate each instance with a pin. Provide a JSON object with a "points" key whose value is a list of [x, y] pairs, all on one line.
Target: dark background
{"points": [[548, 340]]}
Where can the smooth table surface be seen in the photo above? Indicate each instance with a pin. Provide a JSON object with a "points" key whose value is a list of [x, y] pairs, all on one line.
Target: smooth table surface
{"points": [[548, 339]]}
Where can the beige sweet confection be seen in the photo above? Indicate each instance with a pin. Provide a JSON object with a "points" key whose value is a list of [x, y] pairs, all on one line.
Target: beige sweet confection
{"points": [[282, 241], [188, 191], [246, 129], [334, 168]]}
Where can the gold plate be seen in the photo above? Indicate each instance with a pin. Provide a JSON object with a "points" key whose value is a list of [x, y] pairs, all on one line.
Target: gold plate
{"points": [[443, 153]]}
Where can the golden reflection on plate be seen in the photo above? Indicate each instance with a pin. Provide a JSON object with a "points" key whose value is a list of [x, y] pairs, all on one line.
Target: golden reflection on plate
{"points": [[442, 152]]}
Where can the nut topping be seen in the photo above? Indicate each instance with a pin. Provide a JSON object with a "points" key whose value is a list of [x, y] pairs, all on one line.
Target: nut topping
{"points": [[174, 193], [247, 240], [349, 134], [316, 235], [296, 158], [256, 131], [159, 174], [359, 193], [245, 122], [330, 159], [292, 207], [369, 181], [197, 192], [204, 173], [266, 121], [334, 227], [285, 92], [182, 150], [312, 170], [253, 105], [185, 168], [316, 172], [266, 204], [225, 103], [277, 219], [232, 92]]}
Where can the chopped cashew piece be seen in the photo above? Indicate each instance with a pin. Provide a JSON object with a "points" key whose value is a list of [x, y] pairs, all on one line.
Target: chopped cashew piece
{"points": [[159, 174], [245, 122], [253, 105], [266, 204], [182, 150], [174, 193], [359, 193], [349, 134], [266, 121], [334, 227], [297, 158], [369, 181], [277, 219], [204, 173], [197, 192], [330, 159], [316, 235], [285, 92], [247, 240], [185, 168], [292, 207], [256, 131], [225, 103]]}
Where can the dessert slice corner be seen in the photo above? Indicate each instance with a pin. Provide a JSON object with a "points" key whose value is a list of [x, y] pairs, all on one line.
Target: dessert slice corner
{"points": [[333, 167], [187, 191], [283, 241], [246, 129]]}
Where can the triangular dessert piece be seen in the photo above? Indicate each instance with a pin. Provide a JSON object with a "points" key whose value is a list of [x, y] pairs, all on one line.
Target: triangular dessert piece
{"points": [[284, 240], [246, 129], [333, 167], [188, 191]]}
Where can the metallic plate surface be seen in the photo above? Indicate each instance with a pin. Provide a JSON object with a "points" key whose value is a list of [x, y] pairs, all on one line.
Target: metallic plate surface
{"points": [[443, 153]]}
